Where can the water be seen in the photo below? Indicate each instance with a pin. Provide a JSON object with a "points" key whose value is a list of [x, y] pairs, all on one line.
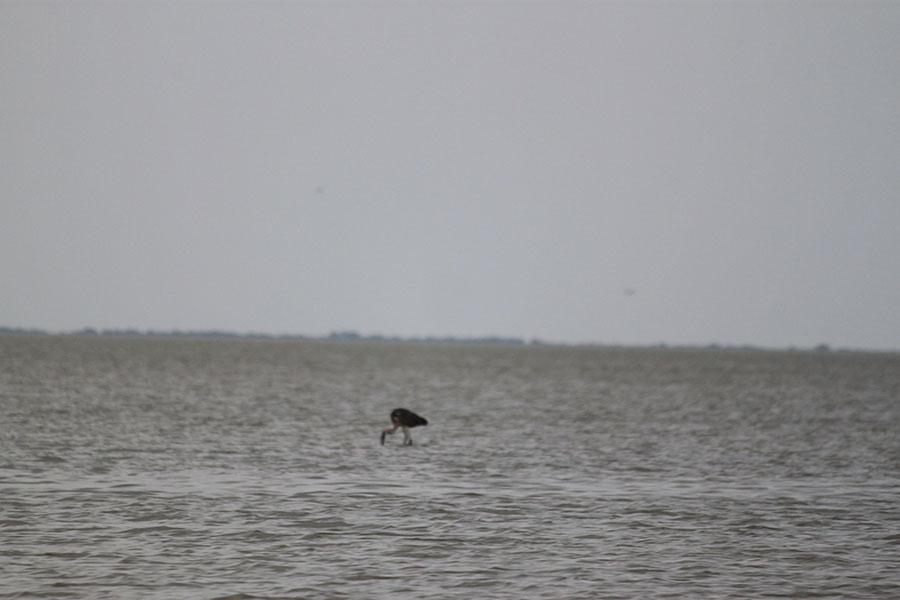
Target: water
{"points": [[187, 468]]}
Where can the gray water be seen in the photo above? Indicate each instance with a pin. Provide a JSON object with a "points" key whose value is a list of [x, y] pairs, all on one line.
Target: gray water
{"points": [[191, 468]]}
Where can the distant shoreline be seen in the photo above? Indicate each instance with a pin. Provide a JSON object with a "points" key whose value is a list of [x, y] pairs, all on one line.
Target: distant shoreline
{"points": [[353, 336], [220, 334]]}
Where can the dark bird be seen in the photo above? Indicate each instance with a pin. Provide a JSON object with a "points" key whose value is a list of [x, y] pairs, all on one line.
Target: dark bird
{"points": [[403, 419]]}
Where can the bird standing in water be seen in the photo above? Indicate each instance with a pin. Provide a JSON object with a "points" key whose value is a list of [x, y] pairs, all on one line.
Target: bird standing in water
{"points": [[403, 419]]}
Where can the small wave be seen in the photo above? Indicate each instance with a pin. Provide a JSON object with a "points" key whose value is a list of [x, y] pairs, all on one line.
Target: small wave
{"points": [[51, 459], [157, 529]]}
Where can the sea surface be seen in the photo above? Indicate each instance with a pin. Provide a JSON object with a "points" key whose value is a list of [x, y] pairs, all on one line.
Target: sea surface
{"points": [[168, 468]]}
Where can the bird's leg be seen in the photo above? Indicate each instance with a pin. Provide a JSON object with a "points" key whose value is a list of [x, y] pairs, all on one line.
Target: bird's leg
{"points": [[388, 431], [407, 438]]}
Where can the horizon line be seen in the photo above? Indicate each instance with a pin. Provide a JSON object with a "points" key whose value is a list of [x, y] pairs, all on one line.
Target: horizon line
{"points": [[352, 335]]}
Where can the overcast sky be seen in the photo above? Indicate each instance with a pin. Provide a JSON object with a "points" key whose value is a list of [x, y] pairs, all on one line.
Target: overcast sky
{"points": [[614, 172]]}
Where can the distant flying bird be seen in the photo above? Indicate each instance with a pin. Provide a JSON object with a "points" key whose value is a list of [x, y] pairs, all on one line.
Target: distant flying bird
{"points": [[403, 419]]}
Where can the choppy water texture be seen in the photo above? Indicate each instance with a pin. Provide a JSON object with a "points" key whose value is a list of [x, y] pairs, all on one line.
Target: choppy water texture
{"points": [[187, 468]]}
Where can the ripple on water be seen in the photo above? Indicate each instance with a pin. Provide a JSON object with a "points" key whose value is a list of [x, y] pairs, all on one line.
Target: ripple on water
{"points": [[219, 470]]}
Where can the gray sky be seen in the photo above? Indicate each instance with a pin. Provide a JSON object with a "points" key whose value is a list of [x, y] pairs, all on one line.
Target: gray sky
{"points": [[617, 172]]}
